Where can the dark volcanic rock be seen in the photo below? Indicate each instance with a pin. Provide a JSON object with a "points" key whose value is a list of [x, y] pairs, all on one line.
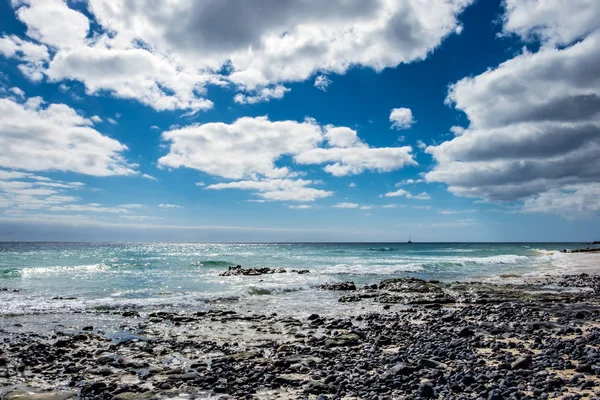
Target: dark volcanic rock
{"points": [[338, 286], [239, 270], [521, 363]]}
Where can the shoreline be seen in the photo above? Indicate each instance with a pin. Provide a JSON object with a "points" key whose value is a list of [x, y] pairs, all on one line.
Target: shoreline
{"points": [[419, 339]]}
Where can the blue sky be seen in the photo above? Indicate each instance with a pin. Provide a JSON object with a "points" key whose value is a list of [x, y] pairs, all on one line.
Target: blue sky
{"points": [[454, 120]]}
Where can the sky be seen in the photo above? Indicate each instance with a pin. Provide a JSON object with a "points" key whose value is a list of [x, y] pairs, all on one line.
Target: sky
{"points": [[300, 120]]}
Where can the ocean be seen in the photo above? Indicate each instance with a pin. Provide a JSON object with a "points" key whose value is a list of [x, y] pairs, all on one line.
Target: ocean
{"points": [[74, 278]]}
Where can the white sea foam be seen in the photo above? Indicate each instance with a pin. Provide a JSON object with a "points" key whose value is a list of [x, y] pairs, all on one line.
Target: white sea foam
{"points": [[91, 268], [371, 268]]}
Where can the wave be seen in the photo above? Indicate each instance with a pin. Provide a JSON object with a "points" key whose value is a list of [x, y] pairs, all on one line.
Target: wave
{"points": [[545, 252], [91, 268], [371, 269], [9, 272], [213, 263], [382, 249], [261, 291]]}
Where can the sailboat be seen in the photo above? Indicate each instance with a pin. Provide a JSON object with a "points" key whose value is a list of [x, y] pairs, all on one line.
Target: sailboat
{"points": [[409, 241]]}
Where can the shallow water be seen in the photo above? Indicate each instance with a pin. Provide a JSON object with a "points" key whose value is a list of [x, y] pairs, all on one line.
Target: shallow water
{"points": [[101, 276]]}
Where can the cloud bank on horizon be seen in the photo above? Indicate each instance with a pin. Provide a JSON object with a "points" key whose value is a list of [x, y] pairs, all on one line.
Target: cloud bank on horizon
{"points": [[275, 102]]}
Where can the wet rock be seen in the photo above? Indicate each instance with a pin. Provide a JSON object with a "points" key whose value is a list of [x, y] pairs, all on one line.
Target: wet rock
{"points": [[239, 270], [338, 286], [130, 313]]}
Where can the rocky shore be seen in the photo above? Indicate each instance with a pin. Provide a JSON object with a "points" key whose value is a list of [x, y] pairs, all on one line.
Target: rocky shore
{"points": [[426, 340]]}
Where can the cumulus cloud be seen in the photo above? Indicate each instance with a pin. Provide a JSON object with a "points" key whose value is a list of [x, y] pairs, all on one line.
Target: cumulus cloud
{"points": [[36, 137], [555, 22], [250, 147], [261, 95], [278, 189], [33, 56], [409, 182], [401, 118], [408, 195], [535, 119], [397, 193], [131, 73], [164, 54], [355, 160]]}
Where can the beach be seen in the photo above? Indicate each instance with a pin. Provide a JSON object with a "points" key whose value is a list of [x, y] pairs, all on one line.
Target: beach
{"points": [[509, 334]]}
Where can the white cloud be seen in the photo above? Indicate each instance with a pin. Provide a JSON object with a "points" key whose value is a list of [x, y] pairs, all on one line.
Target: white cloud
{"points": [[278, 189], [457, 130], [92, 207], [32, 56], [200, 184], [535, 119], [140, 217], [53, 23], [352, 184], [391, 206], [421, 145], [409, 182], [556, 22], [451, 212], [346, 205], [96, 119], [169, 206], [111, 121], [342, 136], [397, 193], [408, 195], [250, 147], [37, 138], [164, 54], [150, 177], [18, 92], [579, 199], [246, 148], [401, 118], [322, 82], [131, 206], [131, 73], [366, 207], [261, 95], [420, 196], [31, 191], [301, 207], [356, 160]]}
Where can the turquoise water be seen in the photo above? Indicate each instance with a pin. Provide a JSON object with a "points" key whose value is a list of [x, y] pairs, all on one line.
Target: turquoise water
{"points": [[186, 275]]}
